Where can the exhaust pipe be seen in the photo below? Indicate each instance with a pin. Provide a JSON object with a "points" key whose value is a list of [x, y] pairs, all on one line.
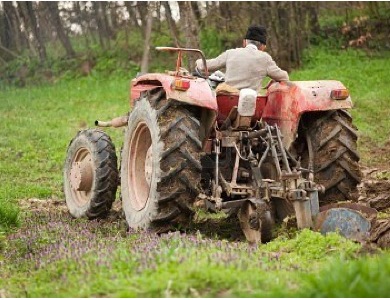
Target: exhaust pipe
{"points": [[116, 122]]}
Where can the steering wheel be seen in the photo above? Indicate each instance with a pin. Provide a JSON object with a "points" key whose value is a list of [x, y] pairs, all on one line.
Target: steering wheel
{"points": [[199, 73]]}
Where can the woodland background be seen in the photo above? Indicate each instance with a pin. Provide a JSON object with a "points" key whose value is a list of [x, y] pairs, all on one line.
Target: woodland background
{"points": [[47, 41]]}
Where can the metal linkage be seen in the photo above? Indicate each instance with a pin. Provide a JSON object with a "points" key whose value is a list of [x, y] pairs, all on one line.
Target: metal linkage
{"points": [[289, 185]]}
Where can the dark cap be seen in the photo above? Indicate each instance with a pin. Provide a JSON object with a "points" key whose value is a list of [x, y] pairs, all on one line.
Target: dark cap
{"points": [[257, 33]]}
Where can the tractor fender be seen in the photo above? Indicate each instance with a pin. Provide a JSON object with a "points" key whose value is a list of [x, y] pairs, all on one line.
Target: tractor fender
{"points": [[288, 101], [199, 94]]}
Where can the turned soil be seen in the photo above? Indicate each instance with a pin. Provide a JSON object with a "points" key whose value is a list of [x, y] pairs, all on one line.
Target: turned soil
{"points": [[373, 191]]}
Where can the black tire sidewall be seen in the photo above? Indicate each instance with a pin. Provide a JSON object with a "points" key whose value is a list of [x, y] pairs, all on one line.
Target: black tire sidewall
{"points": [[325, 175]]}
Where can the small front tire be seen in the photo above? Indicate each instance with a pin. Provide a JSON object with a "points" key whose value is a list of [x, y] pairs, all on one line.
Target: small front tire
{"points": [[90, 174]]}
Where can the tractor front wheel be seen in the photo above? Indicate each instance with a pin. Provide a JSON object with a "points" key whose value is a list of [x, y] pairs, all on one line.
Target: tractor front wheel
{"points": [[90, 174]]}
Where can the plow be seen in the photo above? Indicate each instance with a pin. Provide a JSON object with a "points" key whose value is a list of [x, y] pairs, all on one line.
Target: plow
{"points": [[189, 145]]}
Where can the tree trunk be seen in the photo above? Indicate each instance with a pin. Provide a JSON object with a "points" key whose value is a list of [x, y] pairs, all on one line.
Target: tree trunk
{"points": [[86, 32], [56, 22], [288, 26], [142, 7], [196, 11], [113, 17], [148, 34], [158, 18], [101, 25], [25, 41], [5, 30], [132, 14], [30, 19], [190, 28], [313, 17], [224, 14], [107, 29], [171, 23]]}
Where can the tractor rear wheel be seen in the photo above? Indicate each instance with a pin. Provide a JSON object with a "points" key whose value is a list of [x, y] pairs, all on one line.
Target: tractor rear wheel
{"points": [[90, 174], [333, 140], [160, 170]]}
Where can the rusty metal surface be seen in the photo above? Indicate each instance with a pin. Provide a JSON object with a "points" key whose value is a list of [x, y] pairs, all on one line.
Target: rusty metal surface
{"points": [[179, 50], [314, 203], [137, 88], [367, 211], [81, 176], [233, 203], [303, 214], [347, 222], [248, 220], [116, 122]]}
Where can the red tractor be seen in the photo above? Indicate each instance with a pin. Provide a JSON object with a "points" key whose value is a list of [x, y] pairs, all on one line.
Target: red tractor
{"points": [[187, 147]]}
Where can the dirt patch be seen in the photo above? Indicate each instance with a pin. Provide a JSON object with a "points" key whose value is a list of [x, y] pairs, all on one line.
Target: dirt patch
{"points": [[373, 155], [380, 233], [34, 204], [59, 206], [374, 191]]}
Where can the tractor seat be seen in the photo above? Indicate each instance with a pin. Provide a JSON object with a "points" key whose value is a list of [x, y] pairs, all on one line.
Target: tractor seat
{"points": [[227, 99], [225, 89]]}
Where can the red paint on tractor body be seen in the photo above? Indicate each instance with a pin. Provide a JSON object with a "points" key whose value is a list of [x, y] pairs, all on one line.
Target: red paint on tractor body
{"points": [[284, 104], [199, 93], [227, 102], [288, 101]]}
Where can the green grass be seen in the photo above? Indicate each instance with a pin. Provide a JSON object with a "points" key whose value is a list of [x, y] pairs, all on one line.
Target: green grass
{"points": [[51, 255], [9, 215], [97, 259], [37, 125], [362, 278]]}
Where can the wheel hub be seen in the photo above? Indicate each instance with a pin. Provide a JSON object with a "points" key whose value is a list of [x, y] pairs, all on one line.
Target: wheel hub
{"points": [[250, 223], [81, 175]]}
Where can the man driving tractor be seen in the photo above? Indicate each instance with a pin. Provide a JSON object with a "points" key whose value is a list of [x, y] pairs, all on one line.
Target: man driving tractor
{"points": [[246, 67]]}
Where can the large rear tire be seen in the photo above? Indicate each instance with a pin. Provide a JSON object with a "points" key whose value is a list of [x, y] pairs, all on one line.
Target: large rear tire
{"points": [[90, 174], [335, 156], [160, 170]]}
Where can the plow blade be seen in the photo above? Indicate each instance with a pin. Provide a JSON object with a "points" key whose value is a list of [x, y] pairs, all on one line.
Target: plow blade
{"points": [[350, 220]]}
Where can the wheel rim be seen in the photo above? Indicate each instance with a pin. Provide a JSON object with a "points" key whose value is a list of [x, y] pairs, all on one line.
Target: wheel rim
{"points": [[81, 176], [140, 166], [245, 216]]}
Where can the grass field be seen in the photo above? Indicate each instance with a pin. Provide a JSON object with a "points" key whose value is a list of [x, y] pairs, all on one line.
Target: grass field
{"points": [[37, 125], [51, 255]]}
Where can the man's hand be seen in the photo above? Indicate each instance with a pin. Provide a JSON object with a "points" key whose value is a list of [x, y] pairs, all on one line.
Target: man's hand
{"points": [[270, 83], [199, 65], [198, 72]]}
